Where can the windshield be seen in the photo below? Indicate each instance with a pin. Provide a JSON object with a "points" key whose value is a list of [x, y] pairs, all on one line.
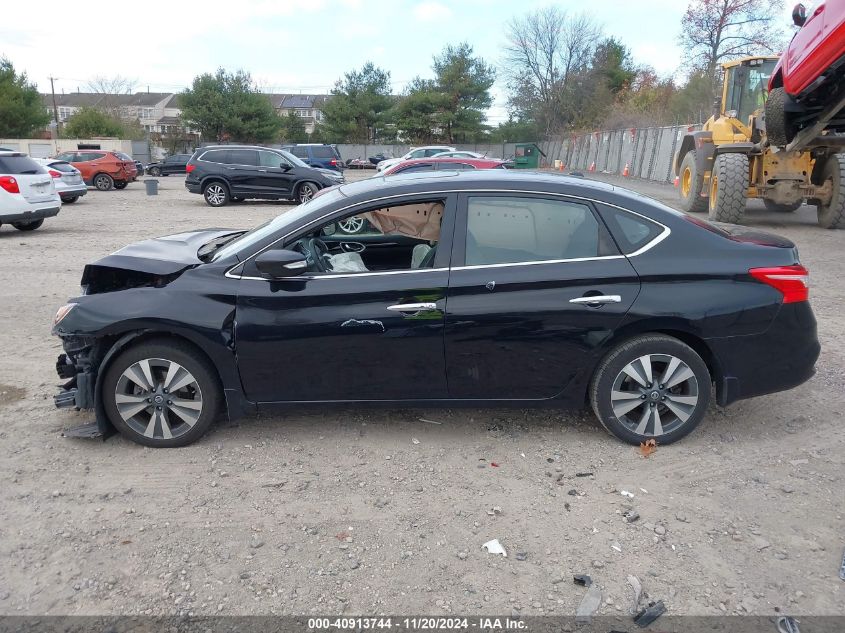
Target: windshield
{"points": [[748, 87], [293, 159], [286, 220]]}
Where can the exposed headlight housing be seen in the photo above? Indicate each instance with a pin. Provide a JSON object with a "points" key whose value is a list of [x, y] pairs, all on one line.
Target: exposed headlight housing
{"points": [[62, 312]]}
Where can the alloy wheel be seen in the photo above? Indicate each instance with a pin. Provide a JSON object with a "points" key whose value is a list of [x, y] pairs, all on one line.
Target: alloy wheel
{"points": [[103, 182], [215, 194], [306, 192], [158, 398], [351, 225], [654, 394]]}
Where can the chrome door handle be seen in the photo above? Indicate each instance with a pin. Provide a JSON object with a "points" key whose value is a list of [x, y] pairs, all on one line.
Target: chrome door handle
{"points": [[414, 308], [598, 299], [263, 170]]}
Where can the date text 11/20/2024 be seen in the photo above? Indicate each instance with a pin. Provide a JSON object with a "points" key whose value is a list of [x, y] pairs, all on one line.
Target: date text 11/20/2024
{"points": [[417, 623]]}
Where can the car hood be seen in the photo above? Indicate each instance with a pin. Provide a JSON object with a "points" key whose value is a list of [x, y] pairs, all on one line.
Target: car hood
{"points": [[328, 173], [159, 256]]}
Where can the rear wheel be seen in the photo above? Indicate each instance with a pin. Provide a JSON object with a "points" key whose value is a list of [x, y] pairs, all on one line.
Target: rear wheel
{"points": [[690, 183], [103, 182], [161, 394], [651, 387], [832, 214], [771, 205], [28, 226], [120, 185], [779, 130], [728, 188], [216, 194]]}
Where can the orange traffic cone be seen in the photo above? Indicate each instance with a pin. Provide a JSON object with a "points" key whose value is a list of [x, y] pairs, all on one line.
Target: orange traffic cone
{"points": [[675, 184], [592, 166], [625, 171]]}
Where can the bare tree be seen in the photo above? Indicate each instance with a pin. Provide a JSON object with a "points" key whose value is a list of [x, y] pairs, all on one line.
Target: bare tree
{"points": [[110, 87], [715, 31], [546, 48]]}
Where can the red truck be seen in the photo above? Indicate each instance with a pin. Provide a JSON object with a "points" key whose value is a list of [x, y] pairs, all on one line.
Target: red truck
{"points": [[807, 86]]}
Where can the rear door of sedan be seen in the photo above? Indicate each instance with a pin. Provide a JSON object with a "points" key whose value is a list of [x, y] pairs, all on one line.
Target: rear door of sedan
{"points": [[537, 285]]}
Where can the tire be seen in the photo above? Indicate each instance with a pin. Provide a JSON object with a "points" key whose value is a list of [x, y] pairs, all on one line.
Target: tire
{"points": [[70, 200], [126, 387], [728, 188], [216, 194], [305, 191], [651, 417], [353, 225], [832, 215], [155, 171], [771, 205], [690, 183], [28, 226], [103, 182], [779, 130], [120, 185]]}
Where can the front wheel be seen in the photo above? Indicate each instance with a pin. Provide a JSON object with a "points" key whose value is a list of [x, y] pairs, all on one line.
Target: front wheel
{"points": [[155, 171], [690, 184], [651, 387], [161, 394], [216, 194], [728, 188], [306, 191], [28, 226], [832, 214], [103, 182]]}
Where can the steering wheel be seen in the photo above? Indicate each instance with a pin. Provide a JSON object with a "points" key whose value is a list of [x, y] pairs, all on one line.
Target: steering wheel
{"points": [[316, 254]]}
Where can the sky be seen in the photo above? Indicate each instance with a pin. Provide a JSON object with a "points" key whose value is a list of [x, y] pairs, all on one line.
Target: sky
{"points": [[300, 46]]}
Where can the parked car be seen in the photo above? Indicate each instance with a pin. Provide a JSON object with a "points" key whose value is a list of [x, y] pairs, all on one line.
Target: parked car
{"points": [[805, 84], [232, 173], [443, 164], [102, 169], [317, 155], [66, 178], [27, 192], [417, 152], [375, 160], [486, 288], [175, 164], [139, 168], [459, 154]]}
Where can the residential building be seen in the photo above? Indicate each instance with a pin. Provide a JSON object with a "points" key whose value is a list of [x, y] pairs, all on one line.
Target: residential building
{"points": [[308, 107]]}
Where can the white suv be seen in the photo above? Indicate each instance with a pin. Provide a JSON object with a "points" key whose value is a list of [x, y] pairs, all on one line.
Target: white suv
{"points": [[417, 152], [27, 192]]}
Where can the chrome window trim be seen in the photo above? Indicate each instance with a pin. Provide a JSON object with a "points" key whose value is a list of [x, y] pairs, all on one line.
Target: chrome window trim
{"points": [[654, 242], [340, 275]]}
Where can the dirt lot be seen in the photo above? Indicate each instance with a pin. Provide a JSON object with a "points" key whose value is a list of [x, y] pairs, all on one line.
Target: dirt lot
{"points": [[367, 512]]}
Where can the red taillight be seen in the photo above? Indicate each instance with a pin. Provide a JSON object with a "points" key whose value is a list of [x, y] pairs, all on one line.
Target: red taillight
{"points": [[54, 173], [189, 168], [792, 281], [333, 162], [9, 184]]}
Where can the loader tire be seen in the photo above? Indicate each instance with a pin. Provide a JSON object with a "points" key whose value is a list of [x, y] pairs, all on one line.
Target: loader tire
{"points": [[728, 188], [832, 214], [690, 183], [779, 130]]}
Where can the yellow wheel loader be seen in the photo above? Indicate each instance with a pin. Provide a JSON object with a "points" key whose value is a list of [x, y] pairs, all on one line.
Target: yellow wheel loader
{"points": [[730, 159]]}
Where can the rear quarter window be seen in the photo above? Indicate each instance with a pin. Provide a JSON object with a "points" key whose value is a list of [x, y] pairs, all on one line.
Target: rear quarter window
{"points": [[68, 169], [630, 231], [19, 165], [299, 152]]}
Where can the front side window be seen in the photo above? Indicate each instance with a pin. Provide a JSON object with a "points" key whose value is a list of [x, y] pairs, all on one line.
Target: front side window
{"points": [[270, 159], [506, 229]]}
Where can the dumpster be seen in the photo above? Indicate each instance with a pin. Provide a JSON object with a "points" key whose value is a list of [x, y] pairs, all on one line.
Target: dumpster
{"points": [[527, 156], [152, 186]]}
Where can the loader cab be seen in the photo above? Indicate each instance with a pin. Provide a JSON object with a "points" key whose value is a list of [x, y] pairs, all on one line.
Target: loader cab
{"points": [[745, 86]]}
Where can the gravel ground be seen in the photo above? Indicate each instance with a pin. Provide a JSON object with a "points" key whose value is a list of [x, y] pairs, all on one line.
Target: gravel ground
{"points": [[363, 512]]}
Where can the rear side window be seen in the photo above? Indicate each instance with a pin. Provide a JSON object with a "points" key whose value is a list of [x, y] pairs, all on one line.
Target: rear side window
{"points": [[68, 156], [19, 165], [123, 156], [420, 167], [432, 152], [215, 156], [68, 169], [323, 151], [510, 229], [243, 157], [458, 166], [630, 231]]}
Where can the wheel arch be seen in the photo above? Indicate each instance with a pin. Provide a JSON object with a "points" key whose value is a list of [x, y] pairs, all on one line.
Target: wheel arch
{"points": [[699, 141]]}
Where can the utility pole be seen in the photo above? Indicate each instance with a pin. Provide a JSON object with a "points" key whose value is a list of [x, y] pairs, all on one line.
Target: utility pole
{"points": [[55, 109]]}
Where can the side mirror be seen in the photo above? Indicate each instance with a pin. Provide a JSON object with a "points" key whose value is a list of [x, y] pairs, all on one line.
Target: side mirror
{"points": [[799, 15], [280, 263]]}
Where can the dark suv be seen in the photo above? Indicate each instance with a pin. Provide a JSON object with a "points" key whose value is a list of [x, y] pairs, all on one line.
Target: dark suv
{"points": [[224, 173], [175, 164], [317, 155]]}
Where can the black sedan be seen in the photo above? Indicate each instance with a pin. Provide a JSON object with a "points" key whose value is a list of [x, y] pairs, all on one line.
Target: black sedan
{"points": [[466, 288]]}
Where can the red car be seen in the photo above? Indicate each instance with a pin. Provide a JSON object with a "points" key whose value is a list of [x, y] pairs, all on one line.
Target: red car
{"points": [[806, 85], [445, 164], [102, 169]]}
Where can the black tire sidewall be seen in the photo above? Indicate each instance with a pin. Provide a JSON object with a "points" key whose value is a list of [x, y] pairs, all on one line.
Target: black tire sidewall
{"points": [[190, 360], [694, 203], [226, 195], [28, 226], [623, 354]]}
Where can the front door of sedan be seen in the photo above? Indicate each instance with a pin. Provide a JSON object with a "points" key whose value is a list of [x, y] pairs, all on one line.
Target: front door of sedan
{"points": [[364, 336], [541, 286]]}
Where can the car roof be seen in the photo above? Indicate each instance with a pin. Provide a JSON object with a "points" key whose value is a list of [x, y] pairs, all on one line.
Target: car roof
{"points": [[450, 159]]}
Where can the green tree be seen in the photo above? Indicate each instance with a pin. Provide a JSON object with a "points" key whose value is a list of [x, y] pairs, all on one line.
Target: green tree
{"points": [[293, 129], [515, 131], [91, 122], [464, 83], [359, 106], [228, 106], [21, 110], [418, 112]]}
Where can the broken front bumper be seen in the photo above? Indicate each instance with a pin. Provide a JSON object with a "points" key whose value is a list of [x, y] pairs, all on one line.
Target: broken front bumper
{"points": [[78, 367]]}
